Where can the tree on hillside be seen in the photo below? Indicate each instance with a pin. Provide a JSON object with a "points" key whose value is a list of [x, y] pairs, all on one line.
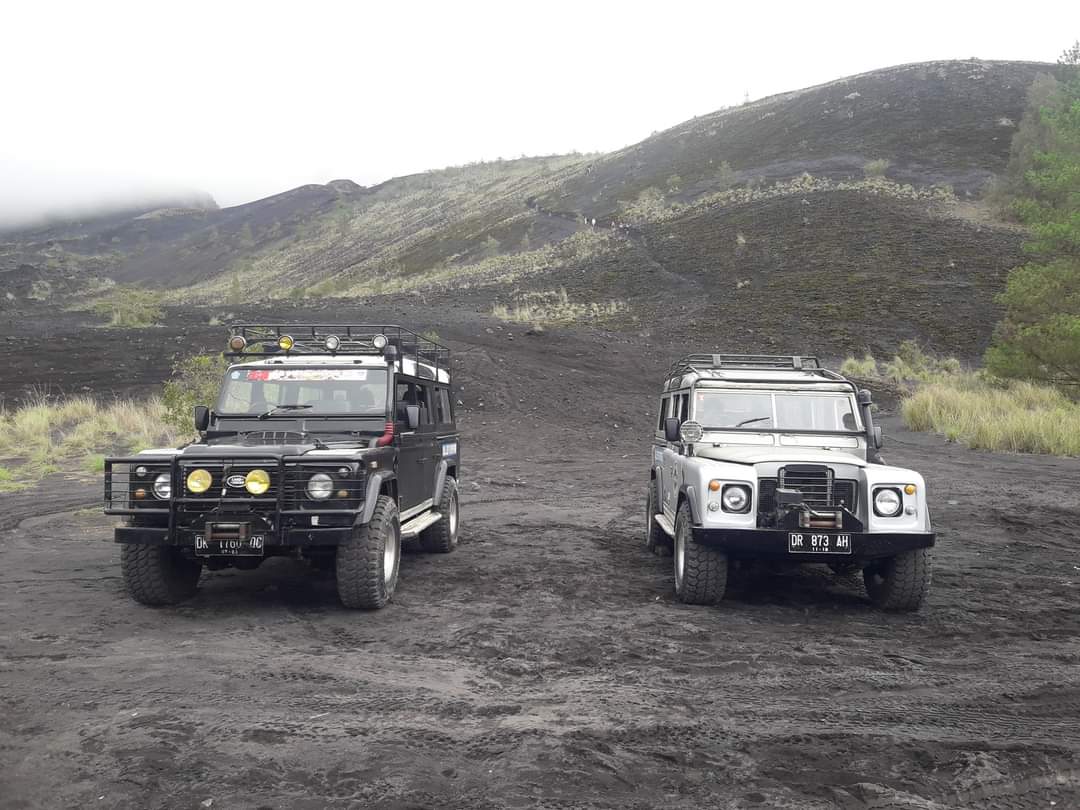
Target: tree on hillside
{"points": [[1040, 335]]}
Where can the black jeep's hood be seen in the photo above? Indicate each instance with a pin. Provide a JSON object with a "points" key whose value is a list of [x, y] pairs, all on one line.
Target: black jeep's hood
{"points": [[231, 449]]}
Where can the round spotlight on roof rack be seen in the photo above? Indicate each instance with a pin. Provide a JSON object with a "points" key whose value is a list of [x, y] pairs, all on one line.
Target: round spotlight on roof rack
{"points": [[379, 342], [332, 343], [237, 343], [285, 342]]}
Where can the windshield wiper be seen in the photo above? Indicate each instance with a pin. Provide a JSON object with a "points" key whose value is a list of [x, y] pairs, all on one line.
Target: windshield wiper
{"points": [[751, 421], [278, 408]]}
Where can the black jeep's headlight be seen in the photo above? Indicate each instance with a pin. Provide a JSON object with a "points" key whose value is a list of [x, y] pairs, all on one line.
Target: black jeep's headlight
{"points": [[320, 486], [887, 502], [735, 498], [163, 486]]}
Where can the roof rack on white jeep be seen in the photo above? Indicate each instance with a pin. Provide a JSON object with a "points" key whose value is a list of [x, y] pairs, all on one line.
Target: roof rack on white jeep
{"points": [[760, 367]]}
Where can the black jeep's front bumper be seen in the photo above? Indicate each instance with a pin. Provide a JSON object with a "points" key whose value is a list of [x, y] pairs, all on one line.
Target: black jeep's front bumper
{"points": [[303, 536], [773, 544]]}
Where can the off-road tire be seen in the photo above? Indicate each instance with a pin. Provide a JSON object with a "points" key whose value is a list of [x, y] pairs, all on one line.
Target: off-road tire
{"points": [[900, 583], [442, 537], [363, 580], [704, 570], [158, 575], [656, 539]]}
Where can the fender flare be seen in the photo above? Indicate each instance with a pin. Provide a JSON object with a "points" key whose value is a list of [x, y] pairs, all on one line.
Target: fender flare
{"points": [[375, 483], [688, 492], [440, 481]]}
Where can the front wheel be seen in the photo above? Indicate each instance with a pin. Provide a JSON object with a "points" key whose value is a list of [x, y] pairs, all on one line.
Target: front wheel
{"points": [[900, 583], [158, 575], [700, 572], [367, 564], [442, 536]]}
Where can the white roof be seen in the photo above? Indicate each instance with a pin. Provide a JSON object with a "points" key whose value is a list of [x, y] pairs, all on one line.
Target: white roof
{"points": [[771, 376], [406, 365]]}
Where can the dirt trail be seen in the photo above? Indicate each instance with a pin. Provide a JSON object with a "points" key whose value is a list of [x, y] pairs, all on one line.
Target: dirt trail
{"points": [[546, 664]]}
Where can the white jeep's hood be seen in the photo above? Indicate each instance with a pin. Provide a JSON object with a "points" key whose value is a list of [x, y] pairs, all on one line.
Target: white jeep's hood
{"points": [[749, 454]]}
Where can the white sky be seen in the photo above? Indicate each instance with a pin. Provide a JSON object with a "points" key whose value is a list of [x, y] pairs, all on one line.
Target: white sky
{"points": [[104, 100]]}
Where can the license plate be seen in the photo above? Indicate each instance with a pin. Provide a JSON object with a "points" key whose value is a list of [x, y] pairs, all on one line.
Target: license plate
{"points": [[818, 543], [249, 547]]}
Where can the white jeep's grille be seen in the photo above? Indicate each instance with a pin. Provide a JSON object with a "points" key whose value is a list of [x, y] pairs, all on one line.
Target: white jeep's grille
{"points": [[817, 483]]}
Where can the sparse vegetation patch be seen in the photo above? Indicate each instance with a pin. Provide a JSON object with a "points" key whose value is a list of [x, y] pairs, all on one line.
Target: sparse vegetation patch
{"points": [[556, 307], [72, 436]]}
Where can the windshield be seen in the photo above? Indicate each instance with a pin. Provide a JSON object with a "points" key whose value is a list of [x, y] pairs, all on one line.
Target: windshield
{"points": [[303, 392], [767, 410]]}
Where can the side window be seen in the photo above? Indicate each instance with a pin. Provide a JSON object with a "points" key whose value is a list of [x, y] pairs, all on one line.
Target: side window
{"points": [[425, 404], [663, 413], [443, 406], [407, 394], [684, 407]]}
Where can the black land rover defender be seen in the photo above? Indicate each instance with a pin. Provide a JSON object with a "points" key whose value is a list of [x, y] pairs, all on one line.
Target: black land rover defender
{"points": [[328, 443]]}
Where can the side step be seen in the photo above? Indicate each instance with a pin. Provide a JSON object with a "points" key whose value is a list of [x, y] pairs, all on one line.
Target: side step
{"points": [[418, 524], [665, 524]]}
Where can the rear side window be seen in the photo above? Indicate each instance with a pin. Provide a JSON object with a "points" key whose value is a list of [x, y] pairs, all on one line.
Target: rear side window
{"points": [[442, 404]]}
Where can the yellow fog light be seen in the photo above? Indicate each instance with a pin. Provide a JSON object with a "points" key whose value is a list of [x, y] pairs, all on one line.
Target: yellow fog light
{"points": [[909, 489], [285, 342], [198, 481], [257, 482]]}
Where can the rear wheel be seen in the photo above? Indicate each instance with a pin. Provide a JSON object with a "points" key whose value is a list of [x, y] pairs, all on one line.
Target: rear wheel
{"points": [[700, 571], [442, 537], [158, 575], [367, 565], [902, 582], [656, 539]]}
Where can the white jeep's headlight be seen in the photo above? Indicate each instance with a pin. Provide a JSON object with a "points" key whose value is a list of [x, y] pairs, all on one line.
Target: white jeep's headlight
{"points": [[736, 498], [320, 486], [163, 486], [887, 502]]}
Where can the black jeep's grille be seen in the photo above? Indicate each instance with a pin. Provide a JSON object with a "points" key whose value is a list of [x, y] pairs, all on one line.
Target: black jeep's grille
{"points": [[816, 483]]}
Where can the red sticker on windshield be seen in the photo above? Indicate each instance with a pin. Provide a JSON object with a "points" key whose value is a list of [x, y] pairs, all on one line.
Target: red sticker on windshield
{"points": [[258, 375]]}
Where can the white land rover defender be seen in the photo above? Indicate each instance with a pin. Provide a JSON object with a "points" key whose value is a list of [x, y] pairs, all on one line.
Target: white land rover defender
{"points": [[767, 457]]}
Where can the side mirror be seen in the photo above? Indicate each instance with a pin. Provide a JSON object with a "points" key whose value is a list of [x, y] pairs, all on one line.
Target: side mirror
{"points": [[412, 416], [879, 439], [671, 429], [202, 418]]}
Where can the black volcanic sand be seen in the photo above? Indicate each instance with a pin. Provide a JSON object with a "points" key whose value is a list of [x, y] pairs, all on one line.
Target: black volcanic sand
{"points": [[546, 662]]}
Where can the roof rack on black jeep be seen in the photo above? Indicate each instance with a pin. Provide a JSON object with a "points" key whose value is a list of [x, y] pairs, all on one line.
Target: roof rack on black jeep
{"points": [[772, 362], [264, 340]]}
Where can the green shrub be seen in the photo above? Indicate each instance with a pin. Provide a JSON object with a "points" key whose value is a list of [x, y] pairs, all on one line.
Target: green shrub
{"points": [[853, 367], [876, 168], [130, 307], [196, 381]]}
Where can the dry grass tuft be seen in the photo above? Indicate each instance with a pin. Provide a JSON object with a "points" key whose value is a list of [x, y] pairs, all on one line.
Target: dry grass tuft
{"points": [[1015, 417], [72, 435], [556, 307]]}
